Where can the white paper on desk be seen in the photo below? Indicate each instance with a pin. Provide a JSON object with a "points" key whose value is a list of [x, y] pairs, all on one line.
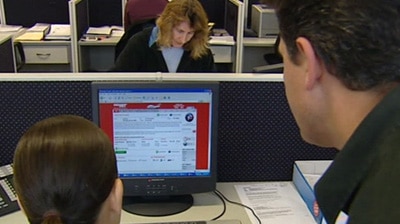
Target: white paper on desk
{"points": [[117, 33], [9, 28], [62, 31], [104, 30], [221, 39], [275, 203]]}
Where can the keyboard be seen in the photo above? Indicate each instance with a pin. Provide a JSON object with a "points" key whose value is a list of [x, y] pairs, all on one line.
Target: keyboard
{"points": [[8, 197], [230, 221]]}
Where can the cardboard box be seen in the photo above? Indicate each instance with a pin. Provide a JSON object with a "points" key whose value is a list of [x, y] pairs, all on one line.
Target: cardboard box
{"points": [[305, 174]]}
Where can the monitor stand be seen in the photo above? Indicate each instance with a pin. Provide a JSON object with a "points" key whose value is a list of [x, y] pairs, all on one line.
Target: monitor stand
{"points": [[157, 205]]}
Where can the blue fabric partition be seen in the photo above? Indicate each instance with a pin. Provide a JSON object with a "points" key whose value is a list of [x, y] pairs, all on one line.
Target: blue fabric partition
{"points": [[258, 138]]}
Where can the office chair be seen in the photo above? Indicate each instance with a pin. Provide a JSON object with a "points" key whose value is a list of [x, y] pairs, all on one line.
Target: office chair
{"points": [[274, 61], [19, 55], [135, 28]]}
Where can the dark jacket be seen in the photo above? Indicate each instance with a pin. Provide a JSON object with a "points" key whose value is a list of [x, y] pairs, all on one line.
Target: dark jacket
{"points": [[137, 56], [364, 179]]}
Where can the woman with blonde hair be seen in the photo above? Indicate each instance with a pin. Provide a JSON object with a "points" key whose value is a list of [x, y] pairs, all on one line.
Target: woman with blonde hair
{"points": [[65, 172], [178, 43]]}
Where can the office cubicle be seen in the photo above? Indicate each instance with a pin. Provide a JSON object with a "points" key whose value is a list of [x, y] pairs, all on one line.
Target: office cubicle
{"points": [[234, 25], [258, 138], [2, 15], [7, 63], [110, 12]]}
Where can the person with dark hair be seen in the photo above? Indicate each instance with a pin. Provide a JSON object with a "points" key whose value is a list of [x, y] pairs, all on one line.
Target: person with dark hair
{"points": [[178, 42], [137, 11], [65, 172], [341, 74]]}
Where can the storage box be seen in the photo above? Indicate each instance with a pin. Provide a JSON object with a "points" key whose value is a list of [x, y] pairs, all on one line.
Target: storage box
{"points": [[305, 174], [263, 20]]}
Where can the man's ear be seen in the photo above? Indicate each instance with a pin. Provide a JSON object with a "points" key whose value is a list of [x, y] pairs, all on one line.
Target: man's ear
{"points": [[310, 61]]}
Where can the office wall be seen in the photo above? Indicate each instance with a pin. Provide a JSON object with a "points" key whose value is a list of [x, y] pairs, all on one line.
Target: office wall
{"points": [[29, 12], [105, 12], [257, 136], [101, 12]]}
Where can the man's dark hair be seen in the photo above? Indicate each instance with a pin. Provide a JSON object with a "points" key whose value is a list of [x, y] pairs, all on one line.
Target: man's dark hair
{"points": [[358, 41]]}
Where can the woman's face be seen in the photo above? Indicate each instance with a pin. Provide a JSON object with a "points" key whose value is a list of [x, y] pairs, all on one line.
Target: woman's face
{"points": [[181, 34]]}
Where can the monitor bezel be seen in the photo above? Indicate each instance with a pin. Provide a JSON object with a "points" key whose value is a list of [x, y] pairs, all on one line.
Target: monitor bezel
{"points": [[136, 186]]}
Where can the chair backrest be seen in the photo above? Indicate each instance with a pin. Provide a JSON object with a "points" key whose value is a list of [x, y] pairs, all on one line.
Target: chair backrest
{"points": [[19, 55], [130, 32], [275, 57], [274, 61], [274, 68]]}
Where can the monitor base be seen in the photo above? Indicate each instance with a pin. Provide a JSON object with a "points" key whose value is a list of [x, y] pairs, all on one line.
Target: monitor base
{"points": [[157, 205]]}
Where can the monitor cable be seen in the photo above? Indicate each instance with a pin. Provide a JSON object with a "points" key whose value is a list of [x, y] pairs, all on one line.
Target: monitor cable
{"points": [[224, 198], [224, 206]]}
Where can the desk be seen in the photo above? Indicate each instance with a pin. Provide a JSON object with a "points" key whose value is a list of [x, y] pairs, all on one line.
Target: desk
{"points": [[253, 51], [97, 55], [206, 206], [47, 56], [6, 53]]}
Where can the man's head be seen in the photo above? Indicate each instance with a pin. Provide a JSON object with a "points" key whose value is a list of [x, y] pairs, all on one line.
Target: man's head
{"points": [[358, 41], [340, 58]]}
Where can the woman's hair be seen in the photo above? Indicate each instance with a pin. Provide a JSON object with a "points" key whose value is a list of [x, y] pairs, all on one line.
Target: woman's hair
{"points": [[178, 11], [64, 169]]}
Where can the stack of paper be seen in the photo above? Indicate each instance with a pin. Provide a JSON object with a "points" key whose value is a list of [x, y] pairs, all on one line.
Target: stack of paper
{"points": [[59, 32], [30, 36], [104, 31], [40, 27], [36, 32]]}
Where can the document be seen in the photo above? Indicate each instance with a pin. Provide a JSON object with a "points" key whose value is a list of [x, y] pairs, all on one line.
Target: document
{"points": [[223, 40], [275, 203], [106, 31], [59, 32], [40, 27]]}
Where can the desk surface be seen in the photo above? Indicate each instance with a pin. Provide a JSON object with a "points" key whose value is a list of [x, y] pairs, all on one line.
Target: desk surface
{"points": [[110, 41], [206, 207], [4, 37], [259, 42]]}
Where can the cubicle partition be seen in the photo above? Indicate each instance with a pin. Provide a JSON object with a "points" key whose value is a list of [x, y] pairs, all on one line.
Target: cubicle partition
{"points": [[258, 138], [7, 63], [234, 25]]}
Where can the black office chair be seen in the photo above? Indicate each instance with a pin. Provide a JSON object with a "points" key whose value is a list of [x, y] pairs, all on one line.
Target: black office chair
{"points": [[135, 28], [19, 55], [274, 61]]}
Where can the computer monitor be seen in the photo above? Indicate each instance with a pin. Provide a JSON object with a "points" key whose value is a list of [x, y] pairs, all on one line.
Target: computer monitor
{"points": [[165, 141]]}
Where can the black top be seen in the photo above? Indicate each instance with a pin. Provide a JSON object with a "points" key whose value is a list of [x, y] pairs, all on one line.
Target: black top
{"points": [[137, 56], [364, 179]]}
